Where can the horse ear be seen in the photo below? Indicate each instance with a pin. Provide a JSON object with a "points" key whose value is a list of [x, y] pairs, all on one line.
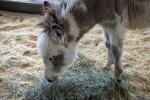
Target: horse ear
{"points": [[57, 33], [46, 6]]}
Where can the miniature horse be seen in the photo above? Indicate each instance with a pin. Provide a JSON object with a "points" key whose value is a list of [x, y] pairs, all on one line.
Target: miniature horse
{"points": [[66, 21]]}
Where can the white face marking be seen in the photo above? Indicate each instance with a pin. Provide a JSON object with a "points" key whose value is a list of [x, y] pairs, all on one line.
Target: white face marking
{"points": [[47, 49]]}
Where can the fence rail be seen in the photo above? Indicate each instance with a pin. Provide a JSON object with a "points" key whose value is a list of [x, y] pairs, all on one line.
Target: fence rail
{"points": [[23, 7]]}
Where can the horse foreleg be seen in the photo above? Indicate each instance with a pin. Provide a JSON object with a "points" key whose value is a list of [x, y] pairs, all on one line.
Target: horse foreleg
{"points": [[116, 41], [108, 50]]}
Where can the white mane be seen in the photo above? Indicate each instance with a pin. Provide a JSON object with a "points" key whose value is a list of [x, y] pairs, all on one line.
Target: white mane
{"points": [[64, 6], [69, 5]]}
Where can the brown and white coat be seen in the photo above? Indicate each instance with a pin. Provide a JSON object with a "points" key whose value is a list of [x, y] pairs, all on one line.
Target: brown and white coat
{"points": [[66, 21]]}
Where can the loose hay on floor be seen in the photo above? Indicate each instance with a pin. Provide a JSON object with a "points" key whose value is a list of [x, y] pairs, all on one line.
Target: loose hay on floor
{"points": [[20, 64], [80, 82]]}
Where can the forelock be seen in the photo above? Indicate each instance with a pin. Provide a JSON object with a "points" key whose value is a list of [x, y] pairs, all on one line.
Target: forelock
{"points": [[46, 45], [50, 18]]}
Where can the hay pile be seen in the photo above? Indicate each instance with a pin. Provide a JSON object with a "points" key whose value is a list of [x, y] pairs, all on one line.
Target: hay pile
{"points": [[80, 82]]}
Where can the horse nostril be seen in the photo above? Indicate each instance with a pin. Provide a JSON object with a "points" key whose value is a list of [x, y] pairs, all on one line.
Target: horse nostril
{"points": [[50, 80]]}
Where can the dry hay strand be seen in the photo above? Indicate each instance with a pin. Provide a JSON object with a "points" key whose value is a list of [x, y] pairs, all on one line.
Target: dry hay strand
{"points": [[80, 82]]}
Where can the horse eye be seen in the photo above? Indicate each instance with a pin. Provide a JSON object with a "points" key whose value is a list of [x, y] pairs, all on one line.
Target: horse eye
{"points": [[58, 33], [52, 58]]}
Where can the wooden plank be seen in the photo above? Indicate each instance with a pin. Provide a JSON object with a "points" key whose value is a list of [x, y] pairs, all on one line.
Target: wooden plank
{"points": [[26, 1], [23, 7]]}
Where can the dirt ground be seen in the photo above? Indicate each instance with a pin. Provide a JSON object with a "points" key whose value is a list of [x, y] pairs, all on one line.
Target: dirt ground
{"points": [[18, 52]]}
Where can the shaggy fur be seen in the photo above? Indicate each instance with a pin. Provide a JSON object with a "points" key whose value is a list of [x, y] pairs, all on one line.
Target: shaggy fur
{"points": [[66, 21]]}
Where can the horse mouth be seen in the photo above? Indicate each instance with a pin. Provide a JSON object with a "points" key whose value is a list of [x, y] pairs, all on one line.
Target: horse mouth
{"points": [[53, 79]]}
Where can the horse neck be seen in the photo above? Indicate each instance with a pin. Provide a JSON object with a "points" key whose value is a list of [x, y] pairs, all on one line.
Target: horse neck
{"points": [[81, 20]]}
